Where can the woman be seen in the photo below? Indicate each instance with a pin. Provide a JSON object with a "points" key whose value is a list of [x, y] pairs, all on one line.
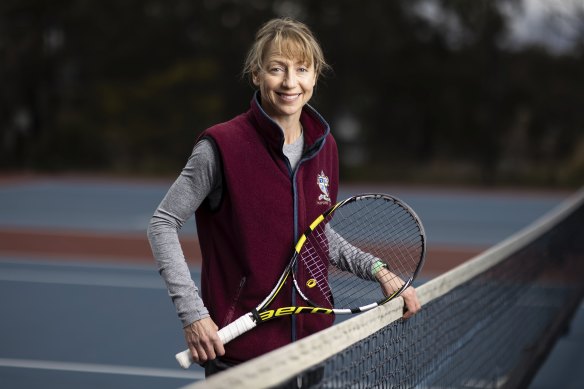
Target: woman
{"points": [[254, 183]]}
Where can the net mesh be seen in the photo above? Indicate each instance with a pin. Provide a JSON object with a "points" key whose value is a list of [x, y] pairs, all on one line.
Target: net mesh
{"points": [[486, 324]]}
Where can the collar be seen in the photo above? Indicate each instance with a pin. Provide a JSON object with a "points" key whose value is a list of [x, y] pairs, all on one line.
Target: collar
{"points": [[315, 128]]}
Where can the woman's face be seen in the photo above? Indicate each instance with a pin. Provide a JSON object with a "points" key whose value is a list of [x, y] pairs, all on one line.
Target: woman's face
{"points": [[286, 84]]}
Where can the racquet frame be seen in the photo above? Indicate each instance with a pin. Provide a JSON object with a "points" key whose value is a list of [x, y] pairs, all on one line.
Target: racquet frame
{"points": [[261, 314]]}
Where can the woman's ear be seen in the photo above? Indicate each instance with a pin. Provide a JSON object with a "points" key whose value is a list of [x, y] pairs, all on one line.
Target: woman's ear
{"points": [[255, 79]]}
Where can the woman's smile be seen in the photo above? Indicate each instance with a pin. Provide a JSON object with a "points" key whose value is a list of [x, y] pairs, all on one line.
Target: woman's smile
{"points": [[289, 97]]}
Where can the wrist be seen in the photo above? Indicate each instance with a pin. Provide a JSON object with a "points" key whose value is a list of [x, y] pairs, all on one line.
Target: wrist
{"points": [[377, 267]]}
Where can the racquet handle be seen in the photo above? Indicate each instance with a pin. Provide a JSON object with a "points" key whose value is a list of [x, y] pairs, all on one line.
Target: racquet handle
{"points": [[226, 334]]}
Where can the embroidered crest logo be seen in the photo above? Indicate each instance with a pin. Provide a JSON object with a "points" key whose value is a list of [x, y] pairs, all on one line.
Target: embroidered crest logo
{"points": [[323, 184]]}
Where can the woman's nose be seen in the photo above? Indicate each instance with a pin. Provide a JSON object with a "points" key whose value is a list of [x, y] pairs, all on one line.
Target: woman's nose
{"points": [[290, 80]]}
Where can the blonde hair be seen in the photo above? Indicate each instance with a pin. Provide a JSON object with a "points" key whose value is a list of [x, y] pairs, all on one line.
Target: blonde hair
{"points": [[293, 39]]}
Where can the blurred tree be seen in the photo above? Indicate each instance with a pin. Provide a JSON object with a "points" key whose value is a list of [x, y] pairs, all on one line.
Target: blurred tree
{"points": [[29, 42], [422, 90]]}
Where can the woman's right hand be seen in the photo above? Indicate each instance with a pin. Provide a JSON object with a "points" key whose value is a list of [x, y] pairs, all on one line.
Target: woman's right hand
{"points": [[203, 340]]}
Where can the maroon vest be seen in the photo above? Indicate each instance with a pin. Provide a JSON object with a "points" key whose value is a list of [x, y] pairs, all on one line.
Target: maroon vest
{"points": [[248, 240]]}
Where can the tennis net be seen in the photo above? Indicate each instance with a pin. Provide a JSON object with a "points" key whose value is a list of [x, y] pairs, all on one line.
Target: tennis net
{"points": [[486, 324]]}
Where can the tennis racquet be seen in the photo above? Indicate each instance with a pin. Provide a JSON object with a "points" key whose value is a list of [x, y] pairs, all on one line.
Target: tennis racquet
{"points": [[361, 253]]}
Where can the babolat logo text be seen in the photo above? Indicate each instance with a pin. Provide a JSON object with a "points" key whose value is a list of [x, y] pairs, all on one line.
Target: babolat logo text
{"points": [[272, 313]]}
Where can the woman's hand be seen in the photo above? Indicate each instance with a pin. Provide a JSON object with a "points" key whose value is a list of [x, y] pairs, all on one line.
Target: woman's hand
{"points": [[203, 341], [390, 283], [411, 302]]}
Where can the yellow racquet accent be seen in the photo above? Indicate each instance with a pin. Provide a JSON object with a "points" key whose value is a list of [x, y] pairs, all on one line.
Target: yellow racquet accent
{"points": [[302, 239], [300, 243], [316, 222], [311, 283], [391, 296]]}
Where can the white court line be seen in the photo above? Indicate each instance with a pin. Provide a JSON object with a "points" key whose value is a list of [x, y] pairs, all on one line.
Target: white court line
{"points": [[80, 279], [87, 263], [101, 369], [79, 274]]}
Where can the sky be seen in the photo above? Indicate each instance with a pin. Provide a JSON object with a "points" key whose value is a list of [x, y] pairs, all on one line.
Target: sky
{"points": [[553, 23]]}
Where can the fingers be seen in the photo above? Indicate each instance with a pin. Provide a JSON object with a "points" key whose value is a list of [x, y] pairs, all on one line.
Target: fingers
{"points": [[412, 304], [201, 349], [218, 345], [203, 341]]}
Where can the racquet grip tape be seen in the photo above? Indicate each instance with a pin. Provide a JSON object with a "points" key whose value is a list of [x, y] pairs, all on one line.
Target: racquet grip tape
{"points": [[226, 334]]}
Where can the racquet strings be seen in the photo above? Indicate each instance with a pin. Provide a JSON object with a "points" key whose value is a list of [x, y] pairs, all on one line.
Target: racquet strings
{"points": [[337, 261]]}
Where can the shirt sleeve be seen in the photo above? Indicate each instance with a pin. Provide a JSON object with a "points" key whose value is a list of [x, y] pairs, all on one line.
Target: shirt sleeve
{"points": [[349, 258], [199, 179]]}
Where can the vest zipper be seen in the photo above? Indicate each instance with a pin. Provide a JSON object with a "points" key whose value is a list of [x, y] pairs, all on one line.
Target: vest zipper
{"points": [[308, 154], [231, 311], [293, 332]]}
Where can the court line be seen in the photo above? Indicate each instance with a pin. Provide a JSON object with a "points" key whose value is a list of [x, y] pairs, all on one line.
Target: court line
{"points": [[81, 274], [87, 262], [100, 369], [80, 279]]}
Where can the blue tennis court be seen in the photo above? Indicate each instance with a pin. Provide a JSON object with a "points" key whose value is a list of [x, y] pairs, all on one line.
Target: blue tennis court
{"points": [[87, 325]]}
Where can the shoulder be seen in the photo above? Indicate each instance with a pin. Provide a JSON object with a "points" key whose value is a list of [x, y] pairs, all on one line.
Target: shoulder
{"points": [[234, 137], [204, 149], [330, 144], [238, 125], [330, 139]]}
